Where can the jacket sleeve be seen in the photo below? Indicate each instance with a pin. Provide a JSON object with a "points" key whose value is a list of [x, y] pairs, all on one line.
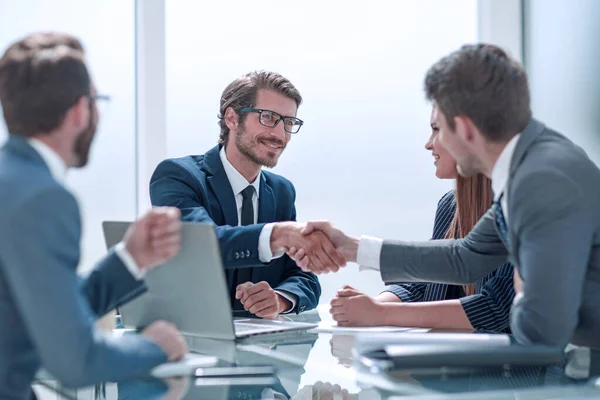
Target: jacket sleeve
{"points": [[40, 256], [173, 185], [489, 310], [304, 285], [110, 285], [408, 292], [460, 261], [415, 292]]}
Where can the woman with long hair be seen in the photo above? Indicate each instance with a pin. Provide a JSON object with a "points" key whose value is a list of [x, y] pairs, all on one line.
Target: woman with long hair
{"points": [[483, 305]]}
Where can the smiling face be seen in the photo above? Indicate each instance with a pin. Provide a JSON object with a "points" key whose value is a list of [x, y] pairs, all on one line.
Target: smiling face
{"points": [[260, 144], [445, 167]]}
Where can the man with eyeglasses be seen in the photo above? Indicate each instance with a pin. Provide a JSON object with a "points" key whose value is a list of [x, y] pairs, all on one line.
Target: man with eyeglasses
{"points": [[253, 209], [47, 312]]}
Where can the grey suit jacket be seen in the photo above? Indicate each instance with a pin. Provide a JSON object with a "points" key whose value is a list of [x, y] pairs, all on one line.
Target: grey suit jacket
{"points": [[47, 312], [554, 236]]}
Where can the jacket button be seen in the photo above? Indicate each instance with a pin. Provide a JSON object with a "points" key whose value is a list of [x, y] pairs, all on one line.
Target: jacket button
{"points": [[236, 255], [247, 253]]}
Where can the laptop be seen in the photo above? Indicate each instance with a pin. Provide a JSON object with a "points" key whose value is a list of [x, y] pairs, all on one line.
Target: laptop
{"points": [[191, 291]]}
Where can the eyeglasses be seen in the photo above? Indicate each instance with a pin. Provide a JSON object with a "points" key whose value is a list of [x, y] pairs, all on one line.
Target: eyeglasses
{"points": [[98, 97], [102, 103], [270, 119]]}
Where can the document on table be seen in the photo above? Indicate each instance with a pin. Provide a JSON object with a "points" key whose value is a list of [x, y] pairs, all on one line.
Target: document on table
{"points": [[329, 327]]}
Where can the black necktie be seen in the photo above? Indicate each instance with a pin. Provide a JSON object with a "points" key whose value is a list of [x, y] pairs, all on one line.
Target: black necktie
{"points": [[242, 275], [500, 221], [247, 207]]}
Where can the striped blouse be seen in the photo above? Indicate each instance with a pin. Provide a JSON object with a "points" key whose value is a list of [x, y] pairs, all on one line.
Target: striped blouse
{"points": [[489, 308]]}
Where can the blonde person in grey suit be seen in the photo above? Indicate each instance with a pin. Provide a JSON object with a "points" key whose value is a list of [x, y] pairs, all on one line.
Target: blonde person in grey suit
{"points": [[545, 218]]}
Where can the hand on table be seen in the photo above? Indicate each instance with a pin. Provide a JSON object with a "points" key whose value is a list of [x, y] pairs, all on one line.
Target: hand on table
{"points": [[353, 308], [261, 300]]}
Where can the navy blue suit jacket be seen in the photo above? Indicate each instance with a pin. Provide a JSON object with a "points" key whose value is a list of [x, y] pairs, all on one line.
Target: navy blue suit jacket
{"points": [[199, 187]]}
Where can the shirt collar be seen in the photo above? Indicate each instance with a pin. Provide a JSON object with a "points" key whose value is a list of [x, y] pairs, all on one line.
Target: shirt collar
{"points": [[237, 180], [501, 170], [56, 165]]}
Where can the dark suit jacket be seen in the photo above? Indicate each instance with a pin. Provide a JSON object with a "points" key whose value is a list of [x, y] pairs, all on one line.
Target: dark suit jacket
{"points": [[47, 311], [199, 187]]}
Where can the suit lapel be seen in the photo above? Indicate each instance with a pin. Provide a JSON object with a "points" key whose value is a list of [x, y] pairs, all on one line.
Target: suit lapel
{"points": [[266, 213], [532, 131], [266, 202], [220, 185]]}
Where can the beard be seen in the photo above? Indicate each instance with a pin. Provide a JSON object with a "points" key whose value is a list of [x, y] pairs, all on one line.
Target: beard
{"points": [[83, 143], [249, 149]]}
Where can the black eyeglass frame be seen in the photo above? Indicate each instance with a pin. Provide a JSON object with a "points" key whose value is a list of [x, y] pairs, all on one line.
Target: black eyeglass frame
{"points": [[296, 121]]}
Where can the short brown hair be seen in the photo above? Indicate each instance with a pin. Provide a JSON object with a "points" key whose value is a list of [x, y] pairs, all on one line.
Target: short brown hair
{"points": [[41, 77], [484, 84], [242, 92]]}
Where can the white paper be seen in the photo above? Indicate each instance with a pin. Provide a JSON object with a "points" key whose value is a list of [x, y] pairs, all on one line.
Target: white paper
{"points": [[326, 327]]}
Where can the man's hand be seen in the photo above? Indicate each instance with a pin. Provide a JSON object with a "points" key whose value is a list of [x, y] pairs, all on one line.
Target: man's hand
{"points": [[353, 308], [347, 246], [517, 282], [317, 247], [166, 335], [261, 300], [155, 238], [178, 387]]}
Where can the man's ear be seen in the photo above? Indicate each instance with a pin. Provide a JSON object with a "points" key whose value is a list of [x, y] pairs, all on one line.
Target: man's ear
{"points": [[77, 117], [231, 119], [465, 128]]}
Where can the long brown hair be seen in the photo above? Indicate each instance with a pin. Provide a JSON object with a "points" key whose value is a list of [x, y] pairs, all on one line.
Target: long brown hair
{"points": [[473, 198]]}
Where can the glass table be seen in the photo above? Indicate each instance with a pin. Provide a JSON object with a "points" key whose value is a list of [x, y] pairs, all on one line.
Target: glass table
{"points": [[321, 366]]}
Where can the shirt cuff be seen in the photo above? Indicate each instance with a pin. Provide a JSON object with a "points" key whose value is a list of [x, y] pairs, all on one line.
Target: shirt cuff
{"points": [[369, 253], [264, 245], [292, 299], [129, 262]]}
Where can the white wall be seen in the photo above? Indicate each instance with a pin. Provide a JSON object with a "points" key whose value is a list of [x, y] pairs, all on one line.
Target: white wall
{"points": [[106, 188], [359, 159], [562, 57]]}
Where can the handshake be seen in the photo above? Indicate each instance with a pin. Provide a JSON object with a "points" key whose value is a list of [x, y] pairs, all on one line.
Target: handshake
{"points": [[316, 246]]}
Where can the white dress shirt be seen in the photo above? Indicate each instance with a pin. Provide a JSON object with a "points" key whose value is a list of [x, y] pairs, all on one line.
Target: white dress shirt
{"points": [[58, 170], [501, 172], [369, 248], [238, 184], [500, 175]]}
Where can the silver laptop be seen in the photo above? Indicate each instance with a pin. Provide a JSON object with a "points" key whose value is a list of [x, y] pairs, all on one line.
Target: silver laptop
{"points": [[191, 291]]}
